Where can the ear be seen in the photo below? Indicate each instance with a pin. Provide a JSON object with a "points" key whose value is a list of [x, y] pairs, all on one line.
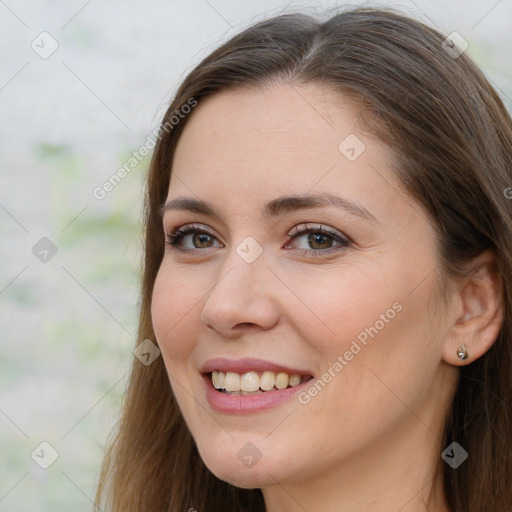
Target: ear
{"points": [[477, 311]]}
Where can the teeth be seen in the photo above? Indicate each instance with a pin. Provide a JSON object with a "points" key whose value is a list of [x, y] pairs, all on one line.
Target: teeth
{"points": [[282, 380], [232, 382], [252, 383], [267, 381], [218, 380], [294, 379]]}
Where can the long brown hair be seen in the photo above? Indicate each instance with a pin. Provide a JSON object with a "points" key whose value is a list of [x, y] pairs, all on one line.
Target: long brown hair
{"points": [[452, 137]]}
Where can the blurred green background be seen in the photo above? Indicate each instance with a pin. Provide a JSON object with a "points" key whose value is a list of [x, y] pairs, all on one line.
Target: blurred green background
{"points": [[69, 120]]}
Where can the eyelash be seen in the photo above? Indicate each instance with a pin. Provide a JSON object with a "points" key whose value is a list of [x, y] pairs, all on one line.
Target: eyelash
{"points": [[174, 238]]}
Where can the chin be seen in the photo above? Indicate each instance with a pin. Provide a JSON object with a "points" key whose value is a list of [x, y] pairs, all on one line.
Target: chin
{"points": [[244, 478], [235, 466]]}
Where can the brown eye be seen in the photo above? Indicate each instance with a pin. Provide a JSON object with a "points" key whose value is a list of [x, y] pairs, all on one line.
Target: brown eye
{"points": [[198, 237], [317, 240], [201, 240], [320, 239]]}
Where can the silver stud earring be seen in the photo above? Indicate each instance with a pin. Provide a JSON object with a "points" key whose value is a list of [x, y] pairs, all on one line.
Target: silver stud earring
{"points": [[462, 352]]}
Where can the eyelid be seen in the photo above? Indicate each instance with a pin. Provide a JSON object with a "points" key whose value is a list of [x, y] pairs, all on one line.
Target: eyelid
{"points": [[305, 226], [193, 227], [299, 228], [175, 236]]}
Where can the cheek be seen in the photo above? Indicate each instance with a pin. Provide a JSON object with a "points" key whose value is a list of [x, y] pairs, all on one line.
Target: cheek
{"points": [[172, 314], [366, 330], [332, 308]]}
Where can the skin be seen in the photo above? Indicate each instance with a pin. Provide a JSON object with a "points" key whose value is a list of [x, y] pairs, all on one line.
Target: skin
{"points": [[370, 438]]}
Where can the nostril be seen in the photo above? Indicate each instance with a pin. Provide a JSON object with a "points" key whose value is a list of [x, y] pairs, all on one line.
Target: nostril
{"points": [[246, 327]]}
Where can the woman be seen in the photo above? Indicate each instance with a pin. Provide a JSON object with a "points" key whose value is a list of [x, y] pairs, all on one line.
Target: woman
{"points": [[328, 277]]}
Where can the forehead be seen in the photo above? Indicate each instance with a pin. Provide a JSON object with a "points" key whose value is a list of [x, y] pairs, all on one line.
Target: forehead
{"points": [[281, 137]]}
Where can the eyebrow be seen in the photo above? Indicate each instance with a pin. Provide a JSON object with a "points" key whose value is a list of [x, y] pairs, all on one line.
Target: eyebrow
{"points": [[275, 207]]}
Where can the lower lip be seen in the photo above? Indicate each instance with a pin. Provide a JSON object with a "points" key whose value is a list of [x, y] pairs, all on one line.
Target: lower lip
{"points": [[243, 404]]}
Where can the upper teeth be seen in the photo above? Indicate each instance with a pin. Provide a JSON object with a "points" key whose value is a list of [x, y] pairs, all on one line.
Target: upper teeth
{"points": [[252, 381]]}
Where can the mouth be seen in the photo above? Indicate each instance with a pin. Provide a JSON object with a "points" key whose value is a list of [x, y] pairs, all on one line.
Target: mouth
{"points": [[253, 382], [250, 385]]}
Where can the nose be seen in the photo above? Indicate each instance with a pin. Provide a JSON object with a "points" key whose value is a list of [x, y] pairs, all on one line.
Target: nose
{"points": [[242, 299]]}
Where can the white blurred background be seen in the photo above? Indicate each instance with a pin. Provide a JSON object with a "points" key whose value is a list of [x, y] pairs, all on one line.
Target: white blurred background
{"points": [[82, 85]]}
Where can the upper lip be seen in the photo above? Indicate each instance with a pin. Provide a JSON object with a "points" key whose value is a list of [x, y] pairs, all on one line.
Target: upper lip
{"points": [[246, 365]]}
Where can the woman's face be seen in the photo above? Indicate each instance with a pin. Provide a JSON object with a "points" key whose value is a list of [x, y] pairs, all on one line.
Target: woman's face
{"points": [[335, 292]]}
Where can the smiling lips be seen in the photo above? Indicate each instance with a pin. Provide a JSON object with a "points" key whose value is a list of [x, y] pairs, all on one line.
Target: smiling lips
{"points": [[254, 382], [250, 385]]}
